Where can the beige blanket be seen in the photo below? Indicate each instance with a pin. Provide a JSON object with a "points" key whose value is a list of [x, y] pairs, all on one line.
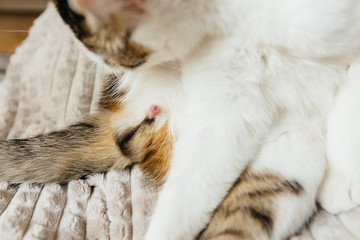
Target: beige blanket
{"points": [[49, 84]]}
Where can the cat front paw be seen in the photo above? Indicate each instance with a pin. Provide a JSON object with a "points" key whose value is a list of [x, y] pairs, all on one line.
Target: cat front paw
{"points": [[340, 191]]}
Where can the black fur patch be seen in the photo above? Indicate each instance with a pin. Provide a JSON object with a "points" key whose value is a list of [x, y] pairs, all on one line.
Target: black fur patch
{"points": [[83, 125], [123, 141], [294, 186], [74, 20], [264, 218]]}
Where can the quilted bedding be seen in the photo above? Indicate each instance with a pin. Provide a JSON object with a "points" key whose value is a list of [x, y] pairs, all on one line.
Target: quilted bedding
{"points": [[49, 84]]}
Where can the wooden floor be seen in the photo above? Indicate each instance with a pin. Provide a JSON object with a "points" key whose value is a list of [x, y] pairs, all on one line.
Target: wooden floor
{"points": [[13, 30]]}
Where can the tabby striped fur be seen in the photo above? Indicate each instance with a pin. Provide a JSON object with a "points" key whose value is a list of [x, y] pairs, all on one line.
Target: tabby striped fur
{"points": [[91, 146], [249, 211]]}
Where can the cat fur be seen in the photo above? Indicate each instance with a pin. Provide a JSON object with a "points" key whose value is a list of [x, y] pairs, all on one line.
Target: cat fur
{"points": [[243, 85]]}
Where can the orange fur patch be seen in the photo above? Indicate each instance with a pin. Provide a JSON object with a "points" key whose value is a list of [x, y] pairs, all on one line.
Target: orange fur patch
{"points": [[157, 160]]}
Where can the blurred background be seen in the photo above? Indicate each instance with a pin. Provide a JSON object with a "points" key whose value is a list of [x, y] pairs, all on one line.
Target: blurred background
{"points": [[16, 17]]}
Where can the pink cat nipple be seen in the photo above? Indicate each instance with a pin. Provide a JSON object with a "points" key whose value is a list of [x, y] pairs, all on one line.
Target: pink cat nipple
{"points": [[153, 112]]}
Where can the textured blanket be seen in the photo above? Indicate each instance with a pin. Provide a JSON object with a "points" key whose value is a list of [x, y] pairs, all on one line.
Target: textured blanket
{"points": [[49, 84]]}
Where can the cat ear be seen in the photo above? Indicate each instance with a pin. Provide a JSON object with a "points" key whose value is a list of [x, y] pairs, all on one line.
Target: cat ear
{"points": [[102, 9]]}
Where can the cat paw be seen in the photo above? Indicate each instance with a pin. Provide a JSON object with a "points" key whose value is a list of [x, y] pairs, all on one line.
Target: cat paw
{"points": [[340, 192]]}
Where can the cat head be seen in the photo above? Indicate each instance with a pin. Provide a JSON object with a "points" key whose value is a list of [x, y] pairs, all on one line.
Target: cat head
{"points": [[133, 33], [129, 33]]}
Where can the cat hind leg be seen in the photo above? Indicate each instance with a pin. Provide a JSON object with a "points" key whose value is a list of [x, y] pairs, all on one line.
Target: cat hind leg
{"points": [[275, 197]]}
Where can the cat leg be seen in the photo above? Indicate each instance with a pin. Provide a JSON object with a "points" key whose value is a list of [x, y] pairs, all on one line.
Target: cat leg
{"points": [[91, 146], [341, 188], [275, 197], [211, 149], [59, 156]]}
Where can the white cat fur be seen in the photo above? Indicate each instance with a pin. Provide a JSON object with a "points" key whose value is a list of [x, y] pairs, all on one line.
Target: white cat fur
{"points": [[341, 188], [252, 81]]}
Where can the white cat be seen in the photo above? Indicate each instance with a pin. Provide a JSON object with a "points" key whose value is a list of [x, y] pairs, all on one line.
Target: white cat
{"points": [[247, 84]]}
